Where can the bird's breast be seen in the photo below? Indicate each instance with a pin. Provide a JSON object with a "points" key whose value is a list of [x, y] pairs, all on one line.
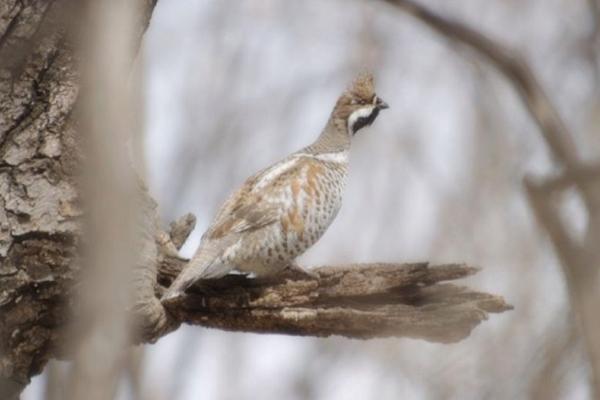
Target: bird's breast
{"points": [[313, 199]]}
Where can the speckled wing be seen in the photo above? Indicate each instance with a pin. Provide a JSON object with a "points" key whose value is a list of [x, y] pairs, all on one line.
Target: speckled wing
{"points": [[244, 211], [246, 214]]}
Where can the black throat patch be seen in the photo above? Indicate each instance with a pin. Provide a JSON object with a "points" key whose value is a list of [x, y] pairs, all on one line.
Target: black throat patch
{"points": [[361, 122]]}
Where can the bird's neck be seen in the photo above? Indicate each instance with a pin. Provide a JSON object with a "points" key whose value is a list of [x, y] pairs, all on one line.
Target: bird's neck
{"points": [[333, 138]]}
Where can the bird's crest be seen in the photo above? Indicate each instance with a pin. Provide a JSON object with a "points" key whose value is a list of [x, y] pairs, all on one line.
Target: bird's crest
{"points": [[363, 86]]}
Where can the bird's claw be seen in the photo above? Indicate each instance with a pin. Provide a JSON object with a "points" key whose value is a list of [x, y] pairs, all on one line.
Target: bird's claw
{"points": [[301, 272]]}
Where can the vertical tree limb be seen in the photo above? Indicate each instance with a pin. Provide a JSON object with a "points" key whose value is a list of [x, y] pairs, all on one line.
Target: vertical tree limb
{"points": [[102, 326]]}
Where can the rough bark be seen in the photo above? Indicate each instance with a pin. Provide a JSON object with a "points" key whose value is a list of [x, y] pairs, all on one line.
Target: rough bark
{"points": [[38, 197], [40, 231], [357, 301]]}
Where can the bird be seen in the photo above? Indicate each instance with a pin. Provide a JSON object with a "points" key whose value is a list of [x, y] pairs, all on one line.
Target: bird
{"points": [[284, 209]]}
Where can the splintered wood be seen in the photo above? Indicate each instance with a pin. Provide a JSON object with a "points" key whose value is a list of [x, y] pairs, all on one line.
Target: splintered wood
{"points": [[357, 301]]}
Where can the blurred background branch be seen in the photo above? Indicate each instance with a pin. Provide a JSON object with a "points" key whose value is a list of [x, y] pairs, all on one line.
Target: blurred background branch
{"points": [[100, 336], [580, 261], [514, 68]]}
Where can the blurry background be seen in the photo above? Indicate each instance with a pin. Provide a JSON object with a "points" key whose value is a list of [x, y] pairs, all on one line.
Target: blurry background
{"points": [[232, 86]]}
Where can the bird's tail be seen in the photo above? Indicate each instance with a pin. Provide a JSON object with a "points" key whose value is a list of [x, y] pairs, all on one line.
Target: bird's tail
{"points": [[204, 265]]}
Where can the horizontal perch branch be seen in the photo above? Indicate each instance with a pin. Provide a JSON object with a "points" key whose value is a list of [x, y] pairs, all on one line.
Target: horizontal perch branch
{"points": [[358, 301]]}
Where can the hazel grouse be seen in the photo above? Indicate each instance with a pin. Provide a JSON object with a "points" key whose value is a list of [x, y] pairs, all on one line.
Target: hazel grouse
{"points": [[284, 209]]}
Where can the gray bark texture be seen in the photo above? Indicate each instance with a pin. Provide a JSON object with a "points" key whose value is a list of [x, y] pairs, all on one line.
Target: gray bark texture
{"points": [[40, 234]]}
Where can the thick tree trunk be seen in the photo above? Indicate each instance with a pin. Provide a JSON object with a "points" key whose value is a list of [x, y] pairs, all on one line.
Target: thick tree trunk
{"points": [[40, 233], [39, 204], [38, 196]]}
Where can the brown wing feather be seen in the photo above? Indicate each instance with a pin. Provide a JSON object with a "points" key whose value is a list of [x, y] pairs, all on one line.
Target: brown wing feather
{"points": [[245, 210], [253, 215]]}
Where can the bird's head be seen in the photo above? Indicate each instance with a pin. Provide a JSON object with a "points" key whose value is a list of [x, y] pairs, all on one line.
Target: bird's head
{"points": [[359, 105]]}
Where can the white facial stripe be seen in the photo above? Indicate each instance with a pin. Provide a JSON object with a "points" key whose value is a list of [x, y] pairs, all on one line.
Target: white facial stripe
{"points": [[339, 157], [361, 112], [274, 172]]}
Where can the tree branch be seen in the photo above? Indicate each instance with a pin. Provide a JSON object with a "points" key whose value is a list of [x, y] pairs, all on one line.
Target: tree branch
{"points": [[358, 301]]}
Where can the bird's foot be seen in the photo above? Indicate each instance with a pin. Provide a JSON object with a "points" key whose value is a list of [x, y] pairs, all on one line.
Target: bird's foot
{"points": [[301, 273]]}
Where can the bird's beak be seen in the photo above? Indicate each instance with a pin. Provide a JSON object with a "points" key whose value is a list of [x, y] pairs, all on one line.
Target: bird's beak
{"points": [[380, 104]]}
